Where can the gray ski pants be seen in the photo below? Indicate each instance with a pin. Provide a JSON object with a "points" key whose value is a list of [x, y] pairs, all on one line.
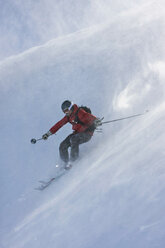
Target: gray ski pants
{"points": [[73, 141]]}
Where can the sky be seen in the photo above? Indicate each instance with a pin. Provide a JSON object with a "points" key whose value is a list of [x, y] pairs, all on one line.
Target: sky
{"points": [[110, 57]]}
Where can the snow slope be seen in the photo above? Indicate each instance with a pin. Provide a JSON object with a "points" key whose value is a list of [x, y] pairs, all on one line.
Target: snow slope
{"points": [[114, 195]]}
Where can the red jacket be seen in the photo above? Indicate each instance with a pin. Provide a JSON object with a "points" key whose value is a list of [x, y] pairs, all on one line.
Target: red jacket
{"points": [[83, 116]]}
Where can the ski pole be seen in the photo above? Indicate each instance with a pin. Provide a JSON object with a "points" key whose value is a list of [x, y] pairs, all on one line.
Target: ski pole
{"points": [[33, 141], [131, 116]]}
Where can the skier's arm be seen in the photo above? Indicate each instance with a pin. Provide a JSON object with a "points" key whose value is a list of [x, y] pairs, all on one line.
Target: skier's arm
{"points": [[86, 118], [89, 119], [55, 128], [58, 125]]}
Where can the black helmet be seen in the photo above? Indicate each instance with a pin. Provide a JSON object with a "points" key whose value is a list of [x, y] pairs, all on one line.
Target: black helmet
{"points": [[66, 105]]}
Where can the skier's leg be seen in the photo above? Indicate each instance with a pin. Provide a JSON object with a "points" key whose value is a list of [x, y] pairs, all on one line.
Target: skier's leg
{"points": [[63, 149], [75, 141]]}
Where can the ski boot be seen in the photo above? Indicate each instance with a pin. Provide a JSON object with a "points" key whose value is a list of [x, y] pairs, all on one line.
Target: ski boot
{"points": [[68, 166]]}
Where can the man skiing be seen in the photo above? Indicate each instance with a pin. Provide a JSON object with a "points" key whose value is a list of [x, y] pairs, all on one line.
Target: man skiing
{"points": [[83, 125]]}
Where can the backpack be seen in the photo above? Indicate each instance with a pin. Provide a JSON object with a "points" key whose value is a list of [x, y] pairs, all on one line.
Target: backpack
{"points": [[88, 110]]}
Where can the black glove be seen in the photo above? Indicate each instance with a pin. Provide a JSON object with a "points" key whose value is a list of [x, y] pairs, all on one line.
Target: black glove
{"points": [[97, 122], [46, 135]]}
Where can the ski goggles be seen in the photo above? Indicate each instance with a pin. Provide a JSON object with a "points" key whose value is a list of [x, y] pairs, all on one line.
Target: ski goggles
{"points": [[67, 109]]}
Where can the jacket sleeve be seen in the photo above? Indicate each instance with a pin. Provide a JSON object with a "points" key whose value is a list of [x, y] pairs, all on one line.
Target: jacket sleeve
{"points": [[59, 124], [86, 118]]}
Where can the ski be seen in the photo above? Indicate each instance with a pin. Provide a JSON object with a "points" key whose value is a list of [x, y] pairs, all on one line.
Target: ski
{"points": [[45, 184]]}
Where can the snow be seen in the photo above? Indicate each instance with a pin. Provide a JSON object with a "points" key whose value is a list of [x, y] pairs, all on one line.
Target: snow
{"points": [[114, 195]]}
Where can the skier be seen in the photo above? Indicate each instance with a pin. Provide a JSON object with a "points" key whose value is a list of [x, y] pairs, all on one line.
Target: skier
{"points": [[83, 124]]}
